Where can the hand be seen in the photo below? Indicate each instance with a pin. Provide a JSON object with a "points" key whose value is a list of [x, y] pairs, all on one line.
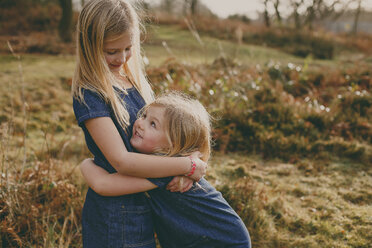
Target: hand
{"points": [[200, 168], [180, 184]]}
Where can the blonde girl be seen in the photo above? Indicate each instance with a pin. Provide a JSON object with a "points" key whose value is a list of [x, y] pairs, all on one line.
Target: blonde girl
{"points": [[175, 125], [109, 88]]}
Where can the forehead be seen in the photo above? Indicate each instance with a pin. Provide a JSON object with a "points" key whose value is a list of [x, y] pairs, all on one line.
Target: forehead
{"points": [[156, 111], [117, 42]]}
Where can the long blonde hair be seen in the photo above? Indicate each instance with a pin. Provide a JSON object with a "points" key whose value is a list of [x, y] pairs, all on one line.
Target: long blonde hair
{"points": [[100, 20], [187, 125]]}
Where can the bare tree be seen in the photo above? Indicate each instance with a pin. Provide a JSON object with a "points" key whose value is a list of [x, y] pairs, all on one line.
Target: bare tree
{"points": [[266, 13], [319, 10], [277, 13], [190, 7], [65, 24], [296, 4], [193, 7], [168, 5], [356, 17]]}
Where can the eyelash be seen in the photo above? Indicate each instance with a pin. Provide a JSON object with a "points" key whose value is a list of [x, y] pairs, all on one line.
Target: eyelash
{"points": [[112, 53]]}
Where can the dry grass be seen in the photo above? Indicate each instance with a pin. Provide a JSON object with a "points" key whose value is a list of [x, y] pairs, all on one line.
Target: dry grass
{"points": [[303, 203], [306, 204]]}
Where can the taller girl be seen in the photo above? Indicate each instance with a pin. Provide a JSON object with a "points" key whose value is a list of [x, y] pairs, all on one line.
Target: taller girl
{"points": [[109, 88]]}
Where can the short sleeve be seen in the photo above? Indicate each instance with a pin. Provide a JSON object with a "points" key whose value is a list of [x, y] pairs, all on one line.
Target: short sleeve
{"points": [[93, 107], [160, 182]]}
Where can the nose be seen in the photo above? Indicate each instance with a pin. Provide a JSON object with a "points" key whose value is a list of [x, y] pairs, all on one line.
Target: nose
{"points": [[121, 58], [140, 123]]}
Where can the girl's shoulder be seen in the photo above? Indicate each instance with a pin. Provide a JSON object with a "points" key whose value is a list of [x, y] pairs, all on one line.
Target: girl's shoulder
{"points": [[90, 105], [87, 96]]}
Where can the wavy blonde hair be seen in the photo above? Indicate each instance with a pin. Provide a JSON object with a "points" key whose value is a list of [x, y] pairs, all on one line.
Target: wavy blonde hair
{"points": [[101, 20], [187, 125]]}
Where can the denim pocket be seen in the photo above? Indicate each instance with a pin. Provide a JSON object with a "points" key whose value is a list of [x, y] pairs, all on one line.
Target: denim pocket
{"points": [[131, 226]]}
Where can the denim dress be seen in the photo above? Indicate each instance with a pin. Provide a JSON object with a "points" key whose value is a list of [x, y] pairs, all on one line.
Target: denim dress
{"points": [[198, 218], [123, 221]]}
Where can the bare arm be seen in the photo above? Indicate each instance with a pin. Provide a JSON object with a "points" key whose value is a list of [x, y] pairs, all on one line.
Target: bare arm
{"points": [[107, 137], [115, 184]]}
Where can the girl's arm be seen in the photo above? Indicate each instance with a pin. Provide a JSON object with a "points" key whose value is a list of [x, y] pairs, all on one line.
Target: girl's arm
{"points": [[107, 138], [106, 184]]}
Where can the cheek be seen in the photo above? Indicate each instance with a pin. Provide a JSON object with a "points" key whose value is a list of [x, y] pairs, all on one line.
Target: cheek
{"points": [[108, 59], [128, 55]]}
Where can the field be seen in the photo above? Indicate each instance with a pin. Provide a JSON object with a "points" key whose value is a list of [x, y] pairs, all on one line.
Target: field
{"points": [[292, 140]]}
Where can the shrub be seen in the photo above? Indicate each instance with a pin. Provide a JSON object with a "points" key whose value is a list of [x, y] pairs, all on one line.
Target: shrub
{"points": [[258, 113]]}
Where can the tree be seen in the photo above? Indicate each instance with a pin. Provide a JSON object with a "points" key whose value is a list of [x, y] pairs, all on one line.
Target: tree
{"points": [[356, 18], [277, 13], [190, 7], [193, 6], [266, 13], [168, 5], [65, 24], [296, 4], [319, 10]]}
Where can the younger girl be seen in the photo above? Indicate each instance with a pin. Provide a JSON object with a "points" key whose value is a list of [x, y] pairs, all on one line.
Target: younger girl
{"points": [[174, 125], [109, 87]]}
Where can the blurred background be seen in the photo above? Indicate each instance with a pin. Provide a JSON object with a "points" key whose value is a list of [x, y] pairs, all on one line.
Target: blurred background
{"points": [[288, 83]]}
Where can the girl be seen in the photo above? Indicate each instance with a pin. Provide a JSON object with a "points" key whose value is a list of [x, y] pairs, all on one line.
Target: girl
{"points": [[174, 125], [109, 87]]}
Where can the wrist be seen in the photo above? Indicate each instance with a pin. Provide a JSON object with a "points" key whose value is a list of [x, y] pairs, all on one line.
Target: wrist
{"points": [[191, 168]]}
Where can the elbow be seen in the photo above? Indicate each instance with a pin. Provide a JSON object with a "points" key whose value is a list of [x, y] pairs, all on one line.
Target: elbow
{"points": [[99, 186]]}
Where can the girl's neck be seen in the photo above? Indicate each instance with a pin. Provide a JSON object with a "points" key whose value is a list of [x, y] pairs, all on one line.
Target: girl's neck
{"points": [[123, 81]]}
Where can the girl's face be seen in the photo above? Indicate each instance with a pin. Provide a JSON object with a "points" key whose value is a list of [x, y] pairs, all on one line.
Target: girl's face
{"points": [[117, 51], [148, 131]]}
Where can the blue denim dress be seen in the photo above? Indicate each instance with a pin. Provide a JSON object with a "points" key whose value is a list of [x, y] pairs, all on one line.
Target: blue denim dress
{"points": [[123, 221], [198, 218]]}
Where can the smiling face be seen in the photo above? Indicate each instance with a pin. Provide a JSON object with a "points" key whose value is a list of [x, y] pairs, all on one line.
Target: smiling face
{"points": [[148, 131], [117, 51]]}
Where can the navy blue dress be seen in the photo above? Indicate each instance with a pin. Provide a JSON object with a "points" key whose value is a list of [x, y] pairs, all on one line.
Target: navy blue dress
{"points": [[198, 218], [123, 221]]}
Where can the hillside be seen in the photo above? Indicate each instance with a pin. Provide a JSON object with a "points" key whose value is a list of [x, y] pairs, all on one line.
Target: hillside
{"points": [[293, 140]]}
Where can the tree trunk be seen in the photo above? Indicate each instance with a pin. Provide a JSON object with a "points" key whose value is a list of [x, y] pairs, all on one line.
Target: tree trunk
{"points": [[296, 15], [277, 13], [356, 19], [193, 6], [168, 5], [65, 24], [266, 15]]}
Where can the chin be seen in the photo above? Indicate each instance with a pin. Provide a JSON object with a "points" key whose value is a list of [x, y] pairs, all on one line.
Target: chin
{"points": [[116, 70]]}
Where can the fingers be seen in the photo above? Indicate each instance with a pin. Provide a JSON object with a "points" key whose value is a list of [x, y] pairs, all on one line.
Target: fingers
{"points": [[196, 154], [180, 184], [173, 184], [187, 186]]}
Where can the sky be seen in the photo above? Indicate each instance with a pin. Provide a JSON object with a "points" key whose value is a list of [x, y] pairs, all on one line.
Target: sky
{"points": [[224, 8]]}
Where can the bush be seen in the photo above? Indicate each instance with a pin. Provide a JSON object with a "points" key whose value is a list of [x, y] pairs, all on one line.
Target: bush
{"points": [[24, 16], [262, 114]]}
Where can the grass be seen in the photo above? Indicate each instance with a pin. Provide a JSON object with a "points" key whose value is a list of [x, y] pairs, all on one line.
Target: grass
{"points": [[185, 47], [306, 203]]}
